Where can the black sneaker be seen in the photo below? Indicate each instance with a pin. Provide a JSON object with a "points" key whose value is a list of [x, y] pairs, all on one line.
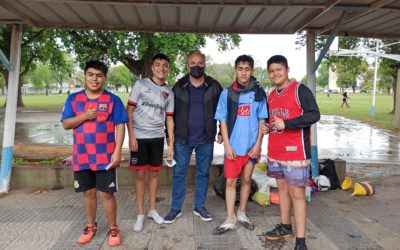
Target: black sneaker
{"points": [[203, 213], [172, 216], [279, 232], [300, 245]]}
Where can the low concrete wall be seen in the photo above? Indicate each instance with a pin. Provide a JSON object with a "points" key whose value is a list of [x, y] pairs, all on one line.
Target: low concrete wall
{"points": [[57, 177]]}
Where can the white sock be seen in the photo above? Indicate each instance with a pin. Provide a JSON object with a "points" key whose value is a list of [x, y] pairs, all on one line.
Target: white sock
{"points": [[155, 216], [139, 223]]}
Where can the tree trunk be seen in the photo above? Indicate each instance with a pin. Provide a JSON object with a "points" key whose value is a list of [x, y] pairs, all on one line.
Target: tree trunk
{"points": [[354, 88], [388, 90], [394, 85], [20, 103], [127, 89]]}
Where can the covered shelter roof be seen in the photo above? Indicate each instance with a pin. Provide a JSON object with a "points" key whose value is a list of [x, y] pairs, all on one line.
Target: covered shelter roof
{"points": [[365, 18]]}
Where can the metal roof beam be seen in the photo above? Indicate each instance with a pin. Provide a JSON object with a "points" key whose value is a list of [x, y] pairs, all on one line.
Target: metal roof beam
{"points": [[5, 61], [376, 5], [181, 3], [317, 14], [330, 40]]}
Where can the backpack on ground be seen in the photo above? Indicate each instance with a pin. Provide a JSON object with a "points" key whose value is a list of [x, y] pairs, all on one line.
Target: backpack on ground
{"points": [[328, 169]]}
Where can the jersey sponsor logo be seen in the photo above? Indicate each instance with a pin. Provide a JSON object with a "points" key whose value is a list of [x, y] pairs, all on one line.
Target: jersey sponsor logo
{"points": [[244, 110], [153, 105], [102, 116], [165, 94], [103, 107]]}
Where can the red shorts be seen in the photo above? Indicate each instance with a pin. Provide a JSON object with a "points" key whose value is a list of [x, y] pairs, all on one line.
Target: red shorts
{"points": [[233, 168]]}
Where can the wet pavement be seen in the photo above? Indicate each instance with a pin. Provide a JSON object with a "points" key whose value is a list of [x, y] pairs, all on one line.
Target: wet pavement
{"points": [[53, 219], [350, 140]]}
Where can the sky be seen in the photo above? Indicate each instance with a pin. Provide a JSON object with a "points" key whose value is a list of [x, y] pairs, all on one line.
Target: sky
{"points": [[261, 48]]}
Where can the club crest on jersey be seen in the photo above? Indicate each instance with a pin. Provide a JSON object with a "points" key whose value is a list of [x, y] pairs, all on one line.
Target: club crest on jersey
{"points": [[103, 107], [165, 94], [133, 160]]}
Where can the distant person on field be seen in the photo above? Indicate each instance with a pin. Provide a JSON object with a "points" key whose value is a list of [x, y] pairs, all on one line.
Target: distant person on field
{"points": [[345, 98], [150, 104], [97, 118]]}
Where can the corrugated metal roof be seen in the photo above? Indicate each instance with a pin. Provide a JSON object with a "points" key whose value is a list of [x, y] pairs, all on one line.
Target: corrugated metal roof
{"points": [[368, 18]]}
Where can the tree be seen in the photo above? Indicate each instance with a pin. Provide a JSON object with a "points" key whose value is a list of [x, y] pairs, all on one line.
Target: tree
{"points": [[323, 74], [120, 76], [41, 77], [349, 70], [367, 80], [2, 84], [136, 49], [224, 73], [262, 76], [385, 77], [391, 66], [38, 45], [63, 71]]}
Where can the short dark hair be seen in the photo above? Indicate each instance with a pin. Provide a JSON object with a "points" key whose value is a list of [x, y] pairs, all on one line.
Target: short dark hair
{"points": [[160, 56], [278, 59], [245, 59], [95, 64]]}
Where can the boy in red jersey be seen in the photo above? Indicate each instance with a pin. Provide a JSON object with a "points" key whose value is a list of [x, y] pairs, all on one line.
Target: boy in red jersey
{"points": [[292, 110], [97, 118]]}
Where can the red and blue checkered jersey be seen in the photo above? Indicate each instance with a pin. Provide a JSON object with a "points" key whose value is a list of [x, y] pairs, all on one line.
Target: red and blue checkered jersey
{"points": [[94, 141]]}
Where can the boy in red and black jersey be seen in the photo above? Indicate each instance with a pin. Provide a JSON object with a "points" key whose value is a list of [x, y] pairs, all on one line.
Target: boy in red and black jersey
{"points": [[292, 110], [97, 118]]}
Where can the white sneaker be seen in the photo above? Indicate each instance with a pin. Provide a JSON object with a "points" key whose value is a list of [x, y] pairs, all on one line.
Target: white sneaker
{"points": [[228, 225], [244, 220], [139, 223], [155, 216]]}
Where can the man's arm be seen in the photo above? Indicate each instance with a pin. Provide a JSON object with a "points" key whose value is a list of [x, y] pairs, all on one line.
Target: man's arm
{"points": [[310, 108], [74, 122]]}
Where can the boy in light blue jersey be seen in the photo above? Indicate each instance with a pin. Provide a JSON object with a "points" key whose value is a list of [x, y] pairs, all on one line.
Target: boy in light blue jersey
{"points": [[241, 109]]}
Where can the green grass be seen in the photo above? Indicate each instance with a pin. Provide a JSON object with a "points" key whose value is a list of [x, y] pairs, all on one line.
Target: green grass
{"points": [[21, 161], [360, 106]]}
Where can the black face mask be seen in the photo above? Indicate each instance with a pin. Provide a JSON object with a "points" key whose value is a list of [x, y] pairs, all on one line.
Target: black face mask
{"points": [[197, 72]]}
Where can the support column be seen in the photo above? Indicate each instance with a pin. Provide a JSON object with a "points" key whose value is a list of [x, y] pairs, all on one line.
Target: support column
{"points": [[311, 83], [397, 108], [11, 109]]}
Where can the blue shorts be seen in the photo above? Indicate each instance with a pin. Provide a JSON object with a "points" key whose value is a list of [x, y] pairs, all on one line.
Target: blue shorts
{"points": [[296, 173]]}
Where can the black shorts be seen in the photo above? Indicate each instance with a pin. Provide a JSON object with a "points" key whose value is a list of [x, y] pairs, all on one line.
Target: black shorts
{"points": [[103, 180], [149, 155]]}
